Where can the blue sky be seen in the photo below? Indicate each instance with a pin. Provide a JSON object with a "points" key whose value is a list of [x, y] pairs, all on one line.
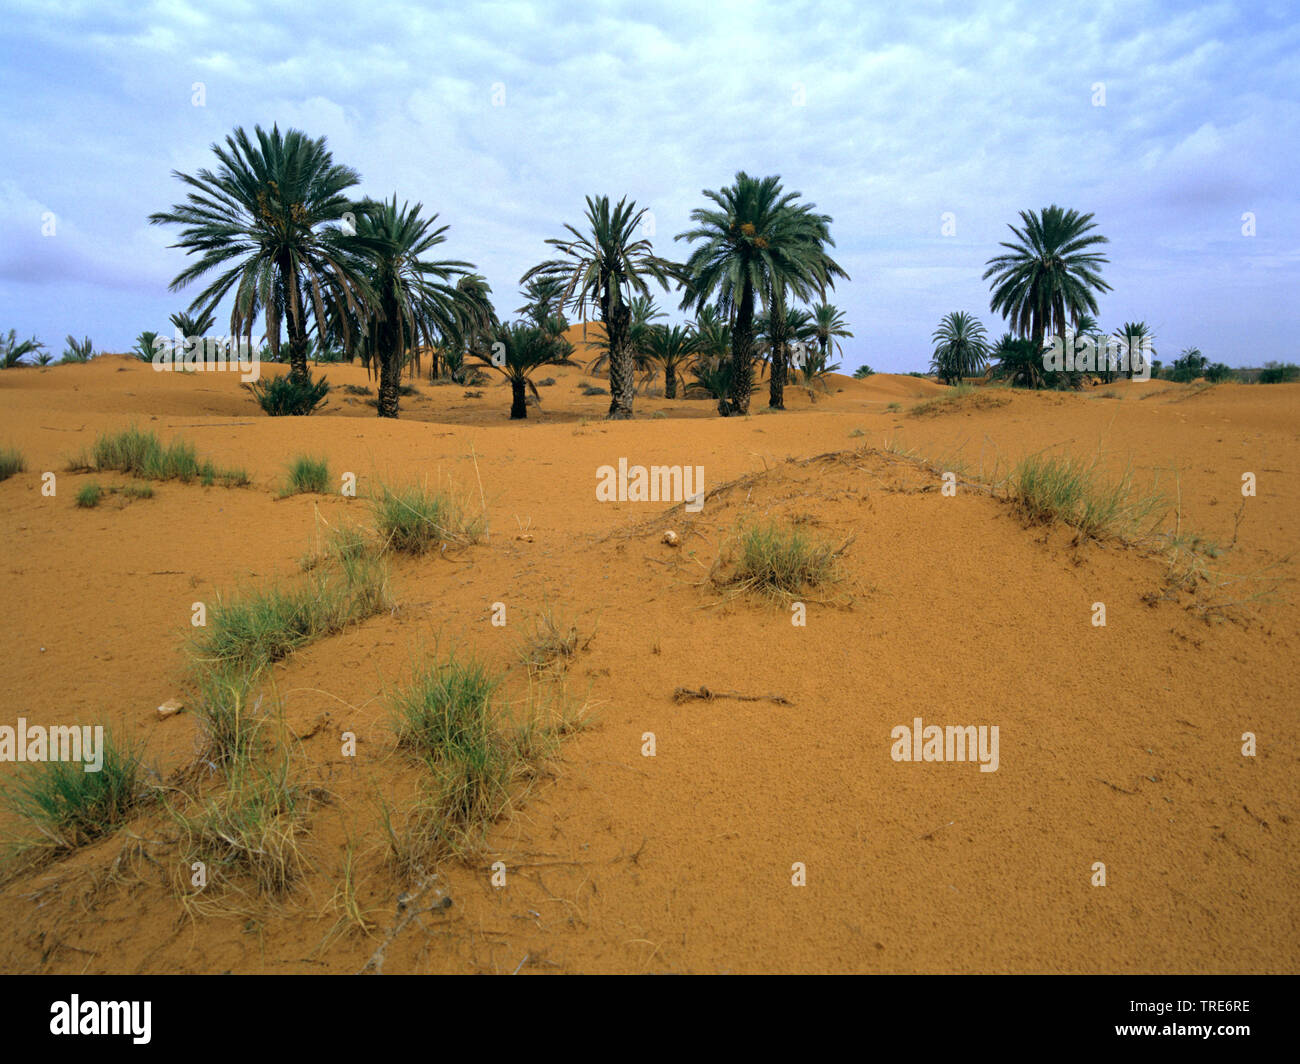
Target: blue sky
{"points": [[887, 119]]}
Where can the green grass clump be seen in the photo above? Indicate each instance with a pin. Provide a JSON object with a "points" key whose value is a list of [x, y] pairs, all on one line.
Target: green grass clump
{"points": [[89, 495], [69, 806], [1049, 488], [307, 476], [415, 520], [780, 562], [893, 408], [446, 719], [141, 454], [229, 712], [11, 462], [253, 828], [266, 627]]}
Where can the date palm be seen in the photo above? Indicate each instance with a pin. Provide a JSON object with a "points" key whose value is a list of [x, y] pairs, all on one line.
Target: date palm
{"points": [[193, 324], [13, 350], [829, 326], [602, 270], [757, 244], [545, 300], [961, 347], [673, 347], [518, 349], [1048, 276], [1139, 343], [414, 299], [1019, 362], [265, 222]]}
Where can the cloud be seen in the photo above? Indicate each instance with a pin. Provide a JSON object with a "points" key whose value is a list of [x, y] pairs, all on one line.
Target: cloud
{"points": [[886, 118]]}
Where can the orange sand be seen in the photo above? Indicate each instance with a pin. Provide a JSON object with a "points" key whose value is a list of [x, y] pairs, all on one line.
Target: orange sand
{"points": [[1118, 744]]}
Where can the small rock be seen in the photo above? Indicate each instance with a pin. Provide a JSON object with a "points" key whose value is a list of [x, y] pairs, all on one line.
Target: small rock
{"points": [[526, 537], [169, 709], [670, 537]]}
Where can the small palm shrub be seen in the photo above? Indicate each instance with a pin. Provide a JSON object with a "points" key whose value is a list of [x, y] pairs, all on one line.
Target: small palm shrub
{"points": [[287, 396], [78, 350]]}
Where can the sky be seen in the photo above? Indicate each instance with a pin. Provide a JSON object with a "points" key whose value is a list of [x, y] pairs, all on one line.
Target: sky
{"points": [[922, 129]]}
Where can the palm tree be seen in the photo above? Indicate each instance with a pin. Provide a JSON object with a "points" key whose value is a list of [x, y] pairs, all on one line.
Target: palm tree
{"points": [[519, 349], [758, 245], [1048, 277], [1139, 343], [1019, 362], [602, 270], [961, 347], [829, 325], [673, 347], [413, 299], [193, 324], [13, 350], [265, 221], [545, 299], [643, 311], [779, 332]]}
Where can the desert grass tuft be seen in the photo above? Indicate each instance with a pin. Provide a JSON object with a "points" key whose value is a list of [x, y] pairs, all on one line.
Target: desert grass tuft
{"points": [[229, 711], [253, 828], [415, 520], [550, 644], [68, 806], [11, 462], [779, 562], [307, 476], [1050, 488], [141, 454], [267, 626], [89, 496], [963, 398]]}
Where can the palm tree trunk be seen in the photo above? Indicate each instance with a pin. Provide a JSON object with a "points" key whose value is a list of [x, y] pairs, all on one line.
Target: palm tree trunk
{"points": [[390, 380], [518, 399], [742, 357], [622, 380], [670, 381], [776, 386]]}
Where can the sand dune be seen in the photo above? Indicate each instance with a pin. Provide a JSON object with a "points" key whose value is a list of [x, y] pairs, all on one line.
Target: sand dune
{"points": [[1118, 744]]}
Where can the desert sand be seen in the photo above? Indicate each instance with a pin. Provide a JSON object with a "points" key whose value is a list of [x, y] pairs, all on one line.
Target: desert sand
{"points": [[1118, 744]]}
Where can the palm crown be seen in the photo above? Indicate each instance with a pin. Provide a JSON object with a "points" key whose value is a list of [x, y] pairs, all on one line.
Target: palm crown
{"points": [[1048, 276], [262, 222]]}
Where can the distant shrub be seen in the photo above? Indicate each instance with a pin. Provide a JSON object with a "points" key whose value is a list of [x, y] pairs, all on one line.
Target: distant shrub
{"points": [[1273, 373], [288, 397], [1218, 371], [862, 373]]}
